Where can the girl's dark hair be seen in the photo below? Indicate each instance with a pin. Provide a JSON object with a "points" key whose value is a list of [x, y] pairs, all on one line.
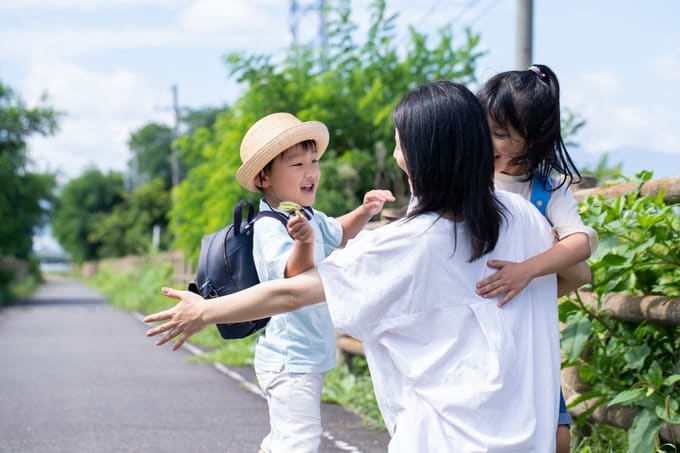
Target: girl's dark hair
{"points": [[529, 102], [446, 144]]}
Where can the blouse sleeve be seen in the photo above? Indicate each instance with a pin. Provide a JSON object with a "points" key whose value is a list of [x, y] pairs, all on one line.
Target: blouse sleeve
{"points": [[363, 279]]}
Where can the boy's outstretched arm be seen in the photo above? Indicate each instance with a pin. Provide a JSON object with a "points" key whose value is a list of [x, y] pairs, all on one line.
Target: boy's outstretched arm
{"points": [[353, 222], [193, 313], [562, 259]]}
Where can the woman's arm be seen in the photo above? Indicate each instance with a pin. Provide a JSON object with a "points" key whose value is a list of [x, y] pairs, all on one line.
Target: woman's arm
{"points": [[561, 259], [193, 313]]}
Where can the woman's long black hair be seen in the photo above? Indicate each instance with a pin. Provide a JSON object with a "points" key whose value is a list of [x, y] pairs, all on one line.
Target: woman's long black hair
{"points": [[447, 147], [529, 101]]}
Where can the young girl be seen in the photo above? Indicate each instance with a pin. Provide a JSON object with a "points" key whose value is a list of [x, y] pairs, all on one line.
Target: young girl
{"points": [[523, 110], [451, 371]]}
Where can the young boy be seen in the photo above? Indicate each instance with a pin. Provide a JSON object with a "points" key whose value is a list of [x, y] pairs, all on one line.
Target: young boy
{"points": [[280, 156]]}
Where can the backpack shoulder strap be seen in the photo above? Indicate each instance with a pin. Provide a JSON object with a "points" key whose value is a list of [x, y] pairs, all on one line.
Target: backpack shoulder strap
{"points": [[274, 215], [540, 192]]}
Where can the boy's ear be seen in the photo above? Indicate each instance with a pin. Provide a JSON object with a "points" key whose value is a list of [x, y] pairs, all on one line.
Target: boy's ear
{"points": [[262, 180]]}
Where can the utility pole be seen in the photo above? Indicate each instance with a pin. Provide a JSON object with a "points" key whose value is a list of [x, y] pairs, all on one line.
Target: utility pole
{"points": [[174, 159], [297, 11], [523, 55]]}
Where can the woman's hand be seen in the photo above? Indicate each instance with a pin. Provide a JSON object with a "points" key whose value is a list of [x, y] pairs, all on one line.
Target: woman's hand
{"points": [[185, 318]]}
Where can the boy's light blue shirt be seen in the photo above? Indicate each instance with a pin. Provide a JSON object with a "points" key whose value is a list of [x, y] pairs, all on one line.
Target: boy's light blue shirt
{"points": [[302, 341]]}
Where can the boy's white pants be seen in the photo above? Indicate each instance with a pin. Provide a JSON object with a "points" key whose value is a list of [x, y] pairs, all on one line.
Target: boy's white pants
{"points": [[294, 401]]}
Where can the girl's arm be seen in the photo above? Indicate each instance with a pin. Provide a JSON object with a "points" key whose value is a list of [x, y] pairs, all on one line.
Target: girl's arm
{"points": [[354, 221], [193, 313], [566, 258], [573, 278]]}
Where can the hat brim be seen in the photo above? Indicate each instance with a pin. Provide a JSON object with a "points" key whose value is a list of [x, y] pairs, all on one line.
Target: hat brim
{"points": [[309, 130]]}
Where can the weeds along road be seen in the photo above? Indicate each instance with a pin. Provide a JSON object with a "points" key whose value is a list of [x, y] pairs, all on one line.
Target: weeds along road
{"points": [[79, 375]]}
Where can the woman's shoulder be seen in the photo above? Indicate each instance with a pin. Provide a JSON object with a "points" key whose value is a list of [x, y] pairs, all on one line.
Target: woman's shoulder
{"points": [[518, 207]]}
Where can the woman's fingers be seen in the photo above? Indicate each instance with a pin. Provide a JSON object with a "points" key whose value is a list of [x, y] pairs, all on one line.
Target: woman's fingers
{"points": [[172, 293], [160, 316], [162, 328], [185, 336]]}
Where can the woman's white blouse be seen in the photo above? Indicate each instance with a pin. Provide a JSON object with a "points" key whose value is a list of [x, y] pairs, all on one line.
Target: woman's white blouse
{"points": [[452, 372]]}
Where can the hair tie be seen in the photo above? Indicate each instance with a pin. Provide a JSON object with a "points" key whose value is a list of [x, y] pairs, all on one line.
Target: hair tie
{"points": [[536, 70]]}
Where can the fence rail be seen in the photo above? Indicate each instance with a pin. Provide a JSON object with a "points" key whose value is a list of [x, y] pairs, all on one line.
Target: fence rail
{"points": [[670, 186]]}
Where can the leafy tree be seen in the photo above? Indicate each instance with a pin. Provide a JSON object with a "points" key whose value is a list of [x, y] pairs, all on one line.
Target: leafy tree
{"points": [[351, 87], [151, 148], [82, 204], [604, 172], [23, 194], [128, 229], [198, 123]]}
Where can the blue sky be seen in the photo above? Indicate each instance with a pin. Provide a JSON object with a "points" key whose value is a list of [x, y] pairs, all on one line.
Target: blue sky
{"points": [[110, 65]]}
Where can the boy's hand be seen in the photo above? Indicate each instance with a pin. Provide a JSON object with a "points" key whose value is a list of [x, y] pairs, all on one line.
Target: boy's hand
{"points": [[375, 199], [509, 280], [300, 228]]}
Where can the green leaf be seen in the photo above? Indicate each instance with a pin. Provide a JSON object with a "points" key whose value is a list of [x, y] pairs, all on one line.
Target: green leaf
{"points": [[575, 336], [672, 379], [655, 374], [565, 308], [636, 355], [627, 397], [643, 433]]}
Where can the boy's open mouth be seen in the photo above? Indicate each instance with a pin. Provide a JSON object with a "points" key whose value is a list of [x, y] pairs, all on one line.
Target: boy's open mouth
{"points": [[309, 188]]}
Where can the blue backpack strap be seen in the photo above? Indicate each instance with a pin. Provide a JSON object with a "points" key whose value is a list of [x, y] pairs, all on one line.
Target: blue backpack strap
{"points": [[540, 192]]}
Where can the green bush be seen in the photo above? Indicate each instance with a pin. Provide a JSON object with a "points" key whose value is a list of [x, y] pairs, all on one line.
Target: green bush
{"points": [[626, 363]]}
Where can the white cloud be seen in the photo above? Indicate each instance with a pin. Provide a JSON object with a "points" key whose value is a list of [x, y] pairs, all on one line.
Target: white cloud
{"points": [[618, 119], [667, 68], [102, 109], [605, 83], [252, 25], [16, 5]]}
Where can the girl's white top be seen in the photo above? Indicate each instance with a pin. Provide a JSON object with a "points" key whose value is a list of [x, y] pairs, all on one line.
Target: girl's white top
{"points": [[562, 209], [452, 372]]}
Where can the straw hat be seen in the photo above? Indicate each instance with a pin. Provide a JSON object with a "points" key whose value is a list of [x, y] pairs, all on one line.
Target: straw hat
{"points": [[269, 137]]}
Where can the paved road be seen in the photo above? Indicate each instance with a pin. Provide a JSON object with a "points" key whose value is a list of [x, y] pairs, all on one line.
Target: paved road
{"points": [[79, 375]]}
